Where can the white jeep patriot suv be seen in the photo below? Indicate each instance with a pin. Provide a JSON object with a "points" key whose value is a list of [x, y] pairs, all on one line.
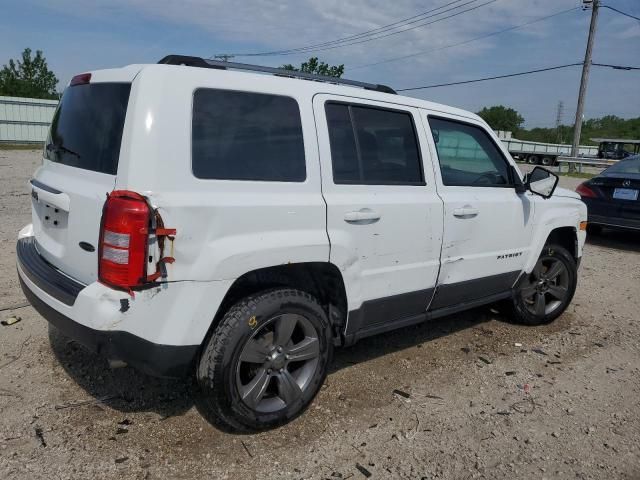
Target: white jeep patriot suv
{"points": [[238, 222]]}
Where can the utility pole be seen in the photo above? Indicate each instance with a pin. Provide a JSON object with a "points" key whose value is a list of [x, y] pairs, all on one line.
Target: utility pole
{"points": [[559, 114], [577, 129]]}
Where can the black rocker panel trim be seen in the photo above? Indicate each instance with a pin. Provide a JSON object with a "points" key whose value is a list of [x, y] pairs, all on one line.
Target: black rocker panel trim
{"points": [[398, 311], [388, 310], [448, 295]]}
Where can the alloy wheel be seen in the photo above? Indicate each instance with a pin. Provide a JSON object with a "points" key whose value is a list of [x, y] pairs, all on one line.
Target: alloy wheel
{"points": [[547, 286], [277, 363]]}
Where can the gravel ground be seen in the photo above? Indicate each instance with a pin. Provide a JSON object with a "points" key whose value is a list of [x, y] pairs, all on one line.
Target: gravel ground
{"points": [[480, 398]]}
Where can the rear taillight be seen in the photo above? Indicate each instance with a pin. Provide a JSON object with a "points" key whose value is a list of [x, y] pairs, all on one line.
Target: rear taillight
{"points": [[584, 191], [123, 240]]}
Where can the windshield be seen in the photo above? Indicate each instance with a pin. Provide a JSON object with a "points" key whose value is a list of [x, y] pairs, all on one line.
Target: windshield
{"points": [[86, 130], [627, 166]]}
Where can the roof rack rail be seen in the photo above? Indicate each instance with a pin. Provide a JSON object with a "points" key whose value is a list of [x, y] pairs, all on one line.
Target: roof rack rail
{"points": [[190, 61]]}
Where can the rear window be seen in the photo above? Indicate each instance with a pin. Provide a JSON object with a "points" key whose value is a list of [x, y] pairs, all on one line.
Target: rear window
{"points": [[246, 136], [86, 130], [629, 165]]}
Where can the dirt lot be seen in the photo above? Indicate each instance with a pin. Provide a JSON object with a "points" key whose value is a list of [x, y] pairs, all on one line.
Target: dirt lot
{"points": [[563, 404]]}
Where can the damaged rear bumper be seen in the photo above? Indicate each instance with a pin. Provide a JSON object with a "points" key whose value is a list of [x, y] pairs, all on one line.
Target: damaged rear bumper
{"points": [[53, 295]]}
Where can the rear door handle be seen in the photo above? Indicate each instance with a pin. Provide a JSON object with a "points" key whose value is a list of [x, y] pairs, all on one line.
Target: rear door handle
{"points": [[363, 216], [465, 212]]}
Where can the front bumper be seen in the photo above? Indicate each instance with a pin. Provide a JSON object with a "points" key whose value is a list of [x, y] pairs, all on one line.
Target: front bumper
{"points": [[53, 294]]}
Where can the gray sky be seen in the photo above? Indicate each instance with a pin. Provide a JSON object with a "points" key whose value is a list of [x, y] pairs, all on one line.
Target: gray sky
{"points": [[78, 35]]}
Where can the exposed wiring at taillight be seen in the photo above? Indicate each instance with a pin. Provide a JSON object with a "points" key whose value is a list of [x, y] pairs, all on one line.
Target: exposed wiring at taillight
{"points": [[127, 222]]}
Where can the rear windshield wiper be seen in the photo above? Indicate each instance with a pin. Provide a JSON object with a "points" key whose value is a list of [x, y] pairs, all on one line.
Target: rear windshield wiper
{"points": [[52, 147]]}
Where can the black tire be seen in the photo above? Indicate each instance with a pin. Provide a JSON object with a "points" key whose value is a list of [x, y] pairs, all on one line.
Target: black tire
{"points": [[244, 330], [533, 160], [547, 161], [525, 309]]}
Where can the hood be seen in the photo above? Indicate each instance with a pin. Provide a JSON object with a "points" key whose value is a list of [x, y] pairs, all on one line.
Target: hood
{"points": [[565, 193]]}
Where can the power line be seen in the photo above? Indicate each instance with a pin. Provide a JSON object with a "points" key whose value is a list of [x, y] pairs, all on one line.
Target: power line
{"points": [[355, 42], [406, 29], [538, 70], [489, 78], [374, 31], [371, 32], [615, 67], [620, 12], [424, 52]]}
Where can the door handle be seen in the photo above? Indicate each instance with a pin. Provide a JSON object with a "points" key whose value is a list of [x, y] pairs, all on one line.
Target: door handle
{"points": [[363, 216], [465, 212]]}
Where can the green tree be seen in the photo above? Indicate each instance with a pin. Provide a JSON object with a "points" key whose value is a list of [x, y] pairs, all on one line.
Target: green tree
{"points": [[502, 118], [609, 126], [30, 77], [318, 68]]}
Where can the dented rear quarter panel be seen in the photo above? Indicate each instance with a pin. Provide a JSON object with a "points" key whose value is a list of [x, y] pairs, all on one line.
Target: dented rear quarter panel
{"points": [[225, 228]]}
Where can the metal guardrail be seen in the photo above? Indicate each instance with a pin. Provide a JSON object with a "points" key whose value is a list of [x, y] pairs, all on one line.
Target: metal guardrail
{"points": [[580, 161]]}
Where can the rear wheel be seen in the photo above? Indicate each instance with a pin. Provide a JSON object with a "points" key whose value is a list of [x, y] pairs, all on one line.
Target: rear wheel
{"points": [[544, 294], [266, 360], [548, 161], [533, 159]]}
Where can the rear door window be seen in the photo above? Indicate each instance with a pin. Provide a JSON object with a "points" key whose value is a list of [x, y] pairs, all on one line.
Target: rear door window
{"points": [[247, 136], [371, 145], [86, 130]]}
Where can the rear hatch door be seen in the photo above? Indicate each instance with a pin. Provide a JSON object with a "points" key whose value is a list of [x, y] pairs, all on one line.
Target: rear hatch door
{"points": [[79, 169]]}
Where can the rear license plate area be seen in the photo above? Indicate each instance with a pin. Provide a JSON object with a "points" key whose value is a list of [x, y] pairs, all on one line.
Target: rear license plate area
{"points": [[49, 215], [625, 194]]}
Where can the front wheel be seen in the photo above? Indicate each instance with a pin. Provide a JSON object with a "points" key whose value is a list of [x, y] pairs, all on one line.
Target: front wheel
{"points": [[266, 360], [544, 294]]}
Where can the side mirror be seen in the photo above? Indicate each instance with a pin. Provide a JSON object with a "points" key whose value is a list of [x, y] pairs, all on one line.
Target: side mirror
{"points": [[542, 182]]}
